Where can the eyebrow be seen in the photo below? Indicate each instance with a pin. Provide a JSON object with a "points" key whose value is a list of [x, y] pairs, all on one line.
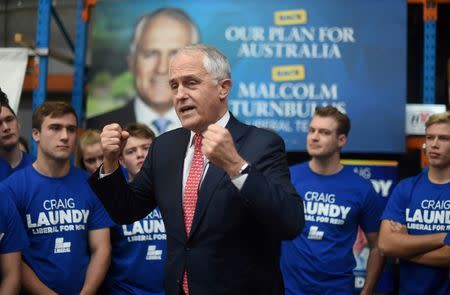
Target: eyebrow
{"points": [[184, 78], [62, 125]]}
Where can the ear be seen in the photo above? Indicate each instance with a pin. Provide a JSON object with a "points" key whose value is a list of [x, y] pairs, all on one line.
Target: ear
{"points": [[342, 140], [36, 135], [225, 87]]}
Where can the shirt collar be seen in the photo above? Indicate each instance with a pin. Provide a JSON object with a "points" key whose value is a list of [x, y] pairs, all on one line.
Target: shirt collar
{"points": [[144, 112]]}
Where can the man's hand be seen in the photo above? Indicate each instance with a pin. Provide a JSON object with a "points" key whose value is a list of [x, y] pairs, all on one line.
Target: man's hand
{"points": [[218, 146], [113, 138]]}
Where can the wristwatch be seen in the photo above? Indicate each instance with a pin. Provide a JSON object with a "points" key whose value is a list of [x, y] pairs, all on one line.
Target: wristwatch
{"points": [[245, 169]]}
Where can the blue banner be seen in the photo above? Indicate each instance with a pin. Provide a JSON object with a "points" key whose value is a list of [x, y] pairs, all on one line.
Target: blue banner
{"points": [[286, 57]]}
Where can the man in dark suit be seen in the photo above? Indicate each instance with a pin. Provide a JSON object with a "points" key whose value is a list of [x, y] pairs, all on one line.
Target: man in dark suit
{"points": [[222, 186], [156, 38]]}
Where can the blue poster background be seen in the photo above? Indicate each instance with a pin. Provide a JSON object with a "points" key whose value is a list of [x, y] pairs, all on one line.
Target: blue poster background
{"points": [[287, 58]]}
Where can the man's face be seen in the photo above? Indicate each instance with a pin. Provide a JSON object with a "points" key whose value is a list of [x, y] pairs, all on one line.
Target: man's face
{"points": [[322, 139], [437, 138], [92, 157], [9, 129], [57, 136], [134, 153], [160, 40], [199, 99]]}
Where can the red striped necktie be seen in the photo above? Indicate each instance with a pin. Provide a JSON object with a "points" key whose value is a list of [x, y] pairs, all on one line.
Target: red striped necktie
{"points": [[191, 193]]}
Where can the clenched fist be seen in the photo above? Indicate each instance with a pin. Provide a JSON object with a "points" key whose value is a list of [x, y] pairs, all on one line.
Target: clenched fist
{"points": [[113, 138], [218, 146]]}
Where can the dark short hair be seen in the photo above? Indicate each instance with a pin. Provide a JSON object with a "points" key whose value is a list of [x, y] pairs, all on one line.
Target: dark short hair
{"points": [[23, 141], [53, 109], [4, 102], [140, 130], [341, 118], [3, 98]]}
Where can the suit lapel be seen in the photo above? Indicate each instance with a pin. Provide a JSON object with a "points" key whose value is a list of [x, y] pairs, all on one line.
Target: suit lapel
{"points": [[176, 188], [215, 174]]}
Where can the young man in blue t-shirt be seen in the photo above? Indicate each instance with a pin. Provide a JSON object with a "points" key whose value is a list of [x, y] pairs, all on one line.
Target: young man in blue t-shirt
{"points": [[9, 141], [13, 240], [138, 249], [67, 226], [416, 220], [336, 201]]}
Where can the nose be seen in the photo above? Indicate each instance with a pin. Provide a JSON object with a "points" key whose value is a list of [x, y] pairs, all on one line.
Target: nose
{"points": [[314, 135], [180, 92], [64, 134], [140, 153], [4, 125], [163, 64], [434, 142]]}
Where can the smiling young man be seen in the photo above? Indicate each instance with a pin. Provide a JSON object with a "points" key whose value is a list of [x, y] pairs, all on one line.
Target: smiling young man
{"points": [[416, 219], [67, 226], [320, 260], [222, 187], [10, 150]]}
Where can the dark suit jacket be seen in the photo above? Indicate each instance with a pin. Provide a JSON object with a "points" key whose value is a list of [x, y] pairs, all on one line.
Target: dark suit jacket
{"points": [[234, 245], [124, 116]]}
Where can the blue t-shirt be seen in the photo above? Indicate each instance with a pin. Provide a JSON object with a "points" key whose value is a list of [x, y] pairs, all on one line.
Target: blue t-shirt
{"points": [[138, 257], [58, 213], [6, 170], [12, 233], [423, 207], [447, 239], [320, 260]]}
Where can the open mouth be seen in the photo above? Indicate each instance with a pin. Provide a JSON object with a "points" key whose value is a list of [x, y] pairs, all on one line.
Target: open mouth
{"points": [[186, 109]]}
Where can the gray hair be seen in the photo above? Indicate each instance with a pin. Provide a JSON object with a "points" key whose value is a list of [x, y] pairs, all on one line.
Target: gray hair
{"points": [[214, 61], [170, 12]]}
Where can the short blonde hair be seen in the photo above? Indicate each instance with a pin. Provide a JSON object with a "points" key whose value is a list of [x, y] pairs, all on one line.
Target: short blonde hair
{"points": [[438, 118], [89, 137]]}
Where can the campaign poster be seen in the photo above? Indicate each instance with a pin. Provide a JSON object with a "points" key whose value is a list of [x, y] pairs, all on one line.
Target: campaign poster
{"points": [[287, 58]]}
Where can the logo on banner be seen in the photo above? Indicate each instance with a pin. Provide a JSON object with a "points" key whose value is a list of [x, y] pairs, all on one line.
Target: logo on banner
{"points": [[1, 236], [290, 17], [288, 73], [61, 246], [153, 254], [314, 233]]}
